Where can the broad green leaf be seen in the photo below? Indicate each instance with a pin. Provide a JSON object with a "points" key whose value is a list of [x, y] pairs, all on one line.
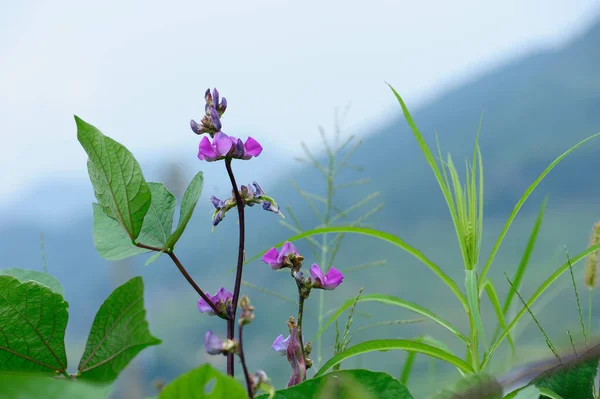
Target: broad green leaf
{"points": [[392, 300], [119, 332], [474, 386], [522, 201], [383, 345], [188, 203], [15, 386], [543, 287], [549, 394], [473, 299], [33, 320], [198, 384], [570, 380], [117, 178], [385, 237], [153, 258], [110, 240], [528, 392], [46, 279], [350, 384], [113, 243]]}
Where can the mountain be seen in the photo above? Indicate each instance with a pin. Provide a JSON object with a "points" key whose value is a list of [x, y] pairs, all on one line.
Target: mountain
{"points": [[533, 109]]}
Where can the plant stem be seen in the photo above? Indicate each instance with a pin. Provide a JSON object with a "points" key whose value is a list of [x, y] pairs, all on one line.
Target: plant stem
{"points": [[300, 313], [590, 312], [185, 274], [249, 383], [238, 275]]}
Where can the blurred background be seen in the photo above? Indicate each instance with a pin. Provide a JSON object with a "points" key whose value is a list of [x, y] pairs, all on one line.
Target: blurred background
{"points": [[138, 71]]}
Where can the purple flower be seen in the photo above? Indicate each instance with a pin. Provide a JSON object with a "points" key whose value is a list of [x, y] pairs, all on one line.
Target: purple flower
{"points": [[214, 118], [218, 149], [280, 345], [276, 259], [251, 148], [295, 356], [327, 282], [213, 344], [222, 301]]}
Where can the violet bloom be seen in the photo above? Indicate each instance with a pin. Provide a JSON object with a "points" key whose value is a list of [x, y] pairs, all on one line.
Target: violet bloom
{"points": [[213, 344], [295, 356], [216, 150], [222, 300], [280, 345], [276, 259], [332, 279], [251, 148]]}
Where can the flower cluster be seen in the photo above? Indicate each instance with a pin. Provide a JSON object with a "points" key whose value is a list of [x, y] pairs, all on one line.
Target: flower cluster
{"points": [[222, 300], [250, 196], [216, 346], [222, 146]]}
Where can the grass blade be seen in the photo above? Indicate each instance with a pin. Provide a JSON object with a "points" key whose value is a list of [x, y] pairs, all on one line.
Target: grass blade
{"points": [[493, 296]]}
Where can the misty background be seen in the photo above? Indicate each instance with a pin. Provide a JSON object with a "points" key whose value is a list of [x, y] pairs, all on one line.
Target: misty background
{"points": [[138, 72]]}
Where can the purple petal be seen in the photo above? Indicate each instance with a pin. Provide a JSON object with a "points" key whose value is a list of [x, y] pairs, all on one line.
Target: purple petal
{"points": [[213, 344], [333, 278], [196, 127], [206, 150], [204, 307], [252, 148], [217, 218], [207, 96], [270, 258], [215, 97], [317, 274], [259, 190], [280, 345], [287, 249], [223, 105], [214, 118], [222, 144], [222, 296], [216, 202]]}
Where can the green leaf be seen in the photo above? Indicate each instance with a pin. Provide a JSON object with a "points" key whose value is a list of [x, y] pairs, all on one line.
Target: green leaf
{"points": [[473, 299], [529, 392], [522, 201], [197, 384], [110, 240], [15, 386], [395, 344], [410, 358], [543, 287], [113, 243], [495, 300], [188, 203], [392, 300], [117, 178], [32, 327], [350, 384], [43, 278], [570, 380], [385, 237], [474, 386], [119, 332]]}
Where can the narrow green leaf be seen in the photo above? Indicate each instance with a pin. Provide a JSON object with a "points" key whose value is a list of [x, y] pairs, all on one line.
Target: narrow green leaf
{"points": [[385, 237], [117, 178], [24, 275], [119, 332], [112, 243], [383, 345], [35, 386], [526, 256], [350, 384], [473, 298], [528, 392], [495, 300], [549, 394], [523, 199], [543, 287], [196, 384], [392, 300], [410, 358], [188, 203], [32, 328]]}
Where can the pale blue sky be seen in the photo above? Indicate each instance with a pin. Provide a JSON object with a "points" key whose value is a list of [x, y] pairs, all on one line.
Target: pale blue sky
{"points": [[138, 69]]}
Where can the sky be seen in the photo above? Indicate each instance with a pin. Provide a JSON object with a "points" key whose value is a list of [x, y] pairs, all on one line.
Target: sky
{"points": [[137, 70]]}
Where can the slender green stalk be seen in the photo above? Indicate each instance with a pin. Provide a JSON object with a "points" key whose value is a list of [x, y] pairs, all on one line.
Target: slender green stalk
{"points": [[590, 311]]}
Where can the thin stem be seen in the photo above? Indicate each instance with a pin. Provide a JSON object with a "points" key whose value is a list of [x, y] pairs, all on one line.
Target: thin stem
{"points": [[240, 262], [300, 312], [185, 274], [590, 312], [249, 383]]}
